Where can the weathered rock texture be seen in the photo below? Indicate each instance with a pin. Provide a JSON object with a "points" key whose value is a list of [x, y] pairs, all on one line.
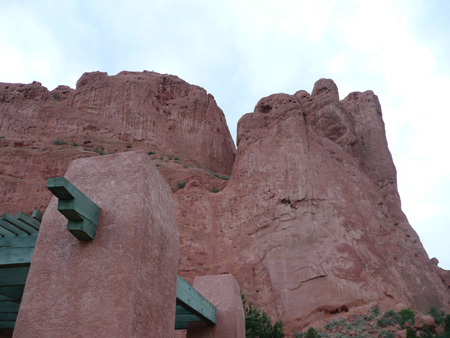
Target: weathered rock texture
{"points": [[310, 221], [129, 111]]}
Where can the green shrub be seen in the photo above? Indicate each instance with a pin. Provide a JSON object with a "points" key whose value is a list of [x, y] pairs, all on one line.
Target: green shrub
{"points": [[386, 334], [334, 323], [437, 315], [447, 323], [426, 333], [99, 151], [151, 153], [75, 144], [311, 333], [389, 318], [410, 333], [375, 311], [214, 190], [225, 178], [406, 315], [59, 142], [181, 184], [259, 324]]}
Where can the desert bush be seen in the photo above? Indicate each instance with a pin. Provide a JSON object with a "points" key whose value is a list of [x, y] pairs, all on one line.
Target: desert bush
{"points": [[389, 318], [386, 334], [406, 315], [311, 333], [222, 177], [447, 323], [259, 324], [334, 323], [59, 142], [375, 311], [426, 332], [181, 184], [437, 315], [410, 333], [99, 151]]}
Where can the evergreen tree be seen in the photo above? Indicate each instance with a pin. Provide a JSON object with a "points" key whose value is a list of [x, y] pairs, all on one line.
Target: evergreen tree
{"points": [[258, 324]]}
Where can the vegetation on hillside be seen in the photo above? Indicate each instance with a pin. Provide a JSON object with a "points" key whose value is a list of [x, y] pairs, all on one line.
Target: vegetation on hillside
{"points": [[258, 323], [375, 324]]}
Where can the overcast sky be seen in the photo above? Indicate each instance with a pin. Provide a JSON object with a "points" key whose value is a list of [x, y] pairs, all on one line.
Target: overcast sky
{"points": [[241, 51]]}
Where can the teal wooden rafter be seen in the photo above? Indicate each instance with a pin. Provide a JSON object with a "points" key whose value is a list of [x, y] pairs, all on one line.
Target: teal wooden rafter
{"points": [[192, 306], [18, 236]]}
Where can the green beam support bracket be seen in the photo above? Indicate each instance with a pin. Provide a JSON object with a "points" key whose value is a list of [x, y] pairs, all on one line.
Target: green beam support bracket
{"points": [[192, 306], [82, 213]]}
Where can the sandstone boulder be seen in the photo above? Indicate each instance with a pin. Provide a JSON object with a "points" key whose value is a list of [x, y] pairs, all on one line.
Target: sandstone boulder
{"points": [[421, 320]]}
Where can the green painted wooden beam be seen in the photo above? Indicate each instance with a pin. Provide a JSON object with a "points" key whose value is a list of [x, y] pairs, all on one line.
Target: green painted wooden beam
{"points": [[187, 318], [16, 250], [7, 307], [18, 223], [7, 325], [181, 310], [13, 292], [5, 299], [5, 232], [37, 215], [11, 227], [191, 300], [82, 213], [180, 325], [32, 222], [8, 316], [13, 276]]}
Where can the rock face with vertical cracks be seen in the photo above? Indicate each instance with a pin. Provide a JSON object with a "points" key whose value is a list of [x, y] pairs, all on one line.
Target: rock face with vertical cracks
{"points": [[309, 222]]}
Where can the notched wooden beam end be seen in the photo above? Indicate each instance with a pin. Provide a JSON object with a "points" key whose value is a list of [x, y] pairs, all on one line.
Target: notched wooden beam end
{"points": [[81, 212]]}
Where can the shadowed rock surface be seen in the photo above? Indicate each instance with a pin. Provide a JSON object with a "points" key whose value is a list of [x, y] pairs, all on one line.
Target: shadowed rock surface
{"points": [[310, 221]]}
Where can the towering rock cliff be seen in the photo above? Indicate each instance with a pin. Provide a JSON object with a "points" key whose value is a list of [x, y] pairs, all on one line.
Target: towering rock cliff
{"points": [[42, 132], [309, 222]]}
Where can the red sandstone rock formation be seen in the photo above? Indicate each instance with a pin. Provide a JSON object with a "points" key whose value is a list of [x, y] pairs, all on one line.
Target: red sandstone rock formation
{"points": [[310, 222], [42, 132]]}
